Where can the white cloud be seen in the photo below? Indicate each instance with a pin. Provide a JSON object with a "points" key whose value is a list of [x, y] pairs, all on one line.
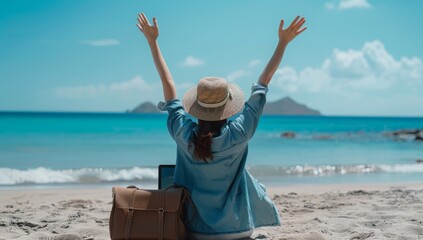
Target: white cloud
{"points": [[182, 87], [136, 83], [233, 76], [348, 4], [101, 42], [87, 91], [191, 61], [371, 68], [240, 73], [254, 62], [131, 88], [330, 5], [350, 63], [286, 78]]}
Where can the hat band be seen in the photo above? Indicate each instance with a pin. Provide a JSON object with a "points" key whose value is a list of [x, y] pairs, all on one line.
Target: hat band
{"points": [[215, 105]]}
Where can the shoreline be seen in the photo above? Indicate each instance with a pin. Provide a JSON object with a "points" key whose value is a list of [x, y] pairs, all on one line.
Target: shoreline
{"points": [[272, 188], [331, 211], [309, 183], [343, 187]]}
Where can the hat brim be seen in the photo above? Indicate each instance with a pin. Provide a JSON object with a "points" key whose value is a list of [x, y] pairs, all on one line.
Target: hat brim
{"points": [[232, 107]]}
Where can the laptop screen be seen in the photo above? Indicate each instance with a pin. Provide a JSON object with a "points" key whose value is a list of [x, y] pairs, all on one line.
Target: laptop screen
{"points": [[166, 173]]}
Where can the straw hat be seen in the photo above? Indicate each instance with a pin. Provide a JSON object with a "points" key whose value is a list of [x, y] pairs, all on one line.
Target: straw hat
{"points": [[213, 99]]}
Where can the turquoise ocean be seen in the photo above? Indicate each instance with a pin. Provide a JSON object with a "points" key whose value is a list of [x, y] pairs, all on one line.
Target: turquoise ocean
{"points": [[48, 150]]}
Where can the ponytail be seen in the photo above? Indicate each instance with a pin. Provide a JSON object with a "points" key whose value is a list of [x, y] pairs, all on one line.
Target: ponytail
{"points": [[203, 140]]}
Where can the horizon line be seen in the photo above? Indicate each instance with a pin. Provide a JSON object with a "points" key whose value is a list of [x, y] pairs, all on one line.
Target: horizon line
{"points": [[164, 112]]}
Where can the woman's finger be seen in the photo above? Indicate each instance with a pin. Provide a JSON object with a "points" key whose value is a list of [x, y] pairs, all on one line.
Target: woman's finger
{"points": [[302, 30], [139, 27], [145, 19], [141, 20], [299, 24], [281, 24], [155, 22], [293, 22]]}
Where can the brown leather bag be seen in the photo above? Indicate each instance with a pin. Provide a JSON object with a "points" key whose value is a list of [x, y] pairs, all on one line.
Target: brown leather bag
{"points": [[147, 214]]}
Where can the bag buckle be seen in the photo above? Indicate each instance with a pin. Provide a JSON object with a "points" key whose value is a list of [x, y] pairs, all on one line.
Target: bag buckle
{"points": [[161, 211], [131, 209]]}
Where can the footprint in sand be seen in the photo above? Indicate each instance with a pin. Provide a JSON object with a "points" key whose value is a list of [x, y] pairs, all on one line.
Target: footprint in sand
{"points": [[77, 203]]}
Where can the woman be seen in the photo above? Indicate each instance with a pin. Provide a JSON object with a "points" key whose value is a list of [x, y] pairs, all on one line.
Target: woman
{"points": [[211, 154]]}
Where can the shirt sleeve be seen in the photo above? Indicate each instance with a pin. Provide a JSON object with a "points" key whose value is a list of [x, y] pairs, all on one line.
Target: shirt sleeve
{"points": [[177, 119], [248, 120]]}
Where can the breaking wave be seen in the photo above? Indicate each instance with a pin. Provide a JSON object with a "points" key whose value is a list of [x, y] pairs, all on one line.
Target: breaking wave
{"points": [[324, 170], [42, 175]]}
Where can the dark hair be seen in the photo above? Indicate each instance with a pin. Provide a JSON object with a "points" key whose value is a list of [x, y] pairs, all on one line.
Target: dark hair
{"points": [[203, 140]]}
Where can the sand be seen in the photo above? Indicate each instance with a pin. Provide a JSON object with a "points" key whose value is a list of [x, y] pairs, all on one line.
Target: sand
{"points": [[308, 212]]}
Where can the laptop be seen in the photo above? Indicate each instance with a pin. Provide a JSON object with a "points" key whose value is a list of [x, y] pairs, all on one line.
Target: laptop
{"points": [[166, 173]]}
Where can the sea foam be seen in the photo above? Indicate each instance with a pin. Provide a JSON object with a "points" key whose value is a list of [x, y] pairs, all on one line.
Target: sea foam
{"points": [[42, 175], [325, 170]]}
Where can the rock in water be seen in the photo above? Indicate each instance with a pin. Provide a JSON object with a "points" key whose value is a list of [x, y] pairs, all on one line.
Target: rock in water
{"points": [[405, 134], [322, 137], [288, 134]]}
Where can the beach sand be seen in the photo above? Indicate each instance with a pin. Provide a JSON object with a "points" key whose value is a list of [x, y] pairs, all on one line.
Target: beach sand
{"points": [[308, 212]]}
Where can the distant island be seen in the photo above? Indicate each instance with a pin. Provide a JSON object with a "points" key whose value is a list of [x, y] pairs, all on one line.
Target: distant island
{"points": [[287, 106], [284, 106], [146, 107]]}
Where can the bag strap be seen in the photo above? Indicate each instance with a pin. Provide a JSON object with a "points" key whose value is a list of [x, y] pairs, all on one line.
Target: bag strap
{"points": [[130, 213], [186, 200], [161, 216]]}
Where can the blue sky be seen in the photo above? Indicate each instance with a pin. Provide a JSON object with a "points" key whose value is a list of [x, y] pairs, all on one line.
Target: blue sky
{"points": [[357, 57]]}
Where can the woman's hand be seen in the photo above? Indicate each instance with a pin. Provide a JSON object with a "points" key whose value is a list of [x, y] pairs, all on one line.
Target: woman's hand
{"points": [[287, 35], [150, 32]]}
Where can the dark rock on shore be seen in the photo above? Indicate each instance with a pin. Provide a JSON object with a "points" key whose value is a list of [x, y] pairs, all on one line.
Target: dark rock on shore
{"points": [[405, 131], [288, 134], [404, 134]]}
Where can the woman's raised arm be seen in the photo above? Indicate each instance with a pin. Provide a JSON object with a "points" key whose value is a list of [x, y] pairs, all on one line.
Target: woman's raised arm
{"points": [[285, 36], [151, 33]]}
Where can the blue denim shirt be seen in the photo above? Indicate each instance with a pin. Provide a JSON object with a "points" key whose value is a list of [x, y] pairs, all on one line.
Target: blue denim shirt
{"points": [[226, 197]]}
